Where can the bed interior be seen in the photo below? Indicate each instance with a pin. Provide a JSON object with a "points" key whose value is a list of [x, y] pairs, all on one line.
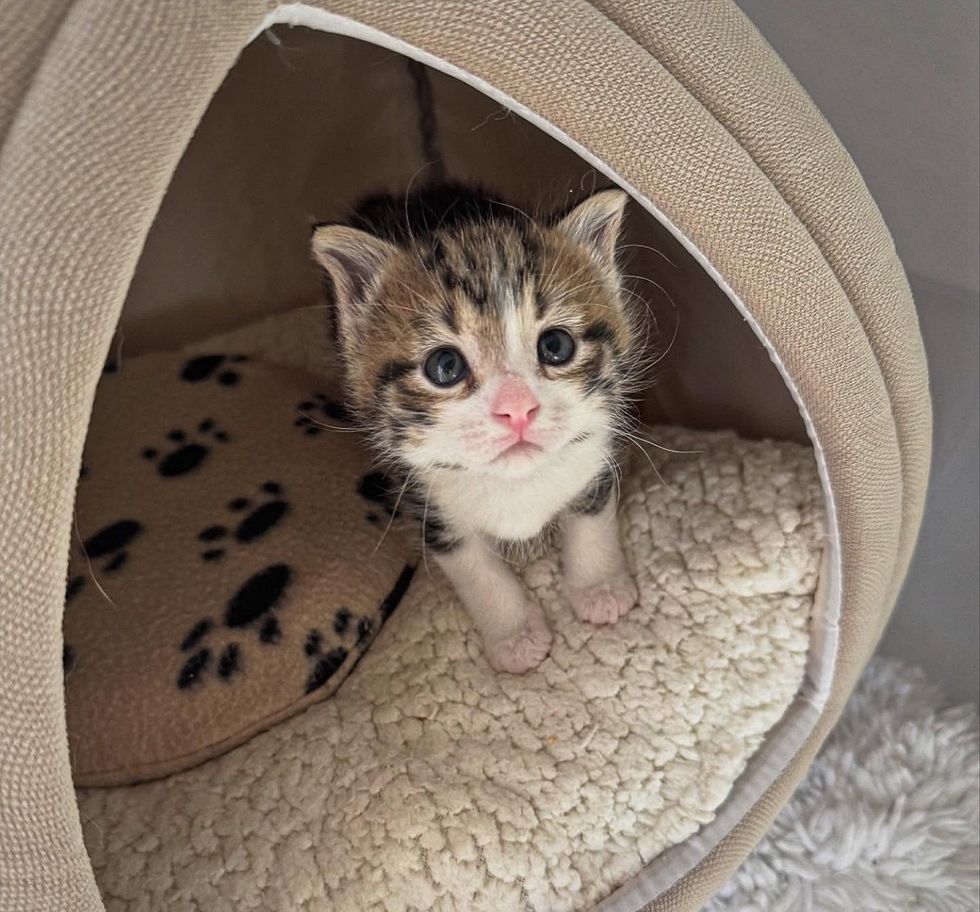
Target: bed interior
{"points": [[307, 122]]}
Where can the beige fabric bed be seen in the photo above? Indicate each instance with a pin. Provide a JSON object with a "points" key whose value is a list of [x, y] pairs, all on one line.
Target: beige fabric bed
{"points": [[430, 782], [682, 103]]}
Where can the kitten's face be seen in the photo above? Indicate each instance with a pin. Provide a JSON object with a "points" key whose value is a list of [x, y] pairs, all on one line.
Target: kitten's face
{"points": [[489, 347]]}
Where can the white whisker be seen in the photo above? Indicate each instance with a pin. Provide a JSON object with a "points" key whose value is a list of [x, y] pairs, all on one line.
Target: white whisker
{"points": [[88, 561], [394, 512]]}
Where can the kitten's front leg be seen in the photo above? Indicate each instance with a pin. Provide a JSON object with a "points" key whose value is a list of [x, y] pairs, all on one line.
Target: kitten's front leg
{"points": [[515, 634], [597, 584]]}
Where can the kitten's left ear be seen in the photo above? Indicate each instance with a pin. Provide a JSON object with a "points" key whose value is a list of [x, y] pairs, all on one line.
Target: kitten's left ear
{"points": [[596, 222]]}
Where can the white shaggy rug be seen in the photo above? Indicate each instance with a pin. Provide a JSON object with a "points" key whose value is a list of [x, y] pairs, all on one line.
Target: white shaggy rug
{"points": [[888, 818], [428, 781]]}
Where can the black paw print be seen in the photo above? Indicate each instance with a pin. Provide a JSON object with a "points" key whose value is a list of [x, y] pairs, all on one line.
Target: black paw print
{"points": [[362, 629], [204, 367], [188, 453], [110, 542], [323, 665], [254, 524], [251, 606], [317, 413], [229, 662]]}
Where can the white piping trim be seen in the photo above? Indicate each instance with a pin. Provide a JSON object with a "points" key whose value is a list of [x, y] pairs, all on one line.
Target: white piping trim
{"points": [[785, 739]]}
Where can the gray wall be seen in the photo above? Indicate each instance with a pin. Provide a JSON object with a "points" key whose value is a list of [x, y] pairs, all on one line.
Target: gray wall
{"points": [[898, 80]]}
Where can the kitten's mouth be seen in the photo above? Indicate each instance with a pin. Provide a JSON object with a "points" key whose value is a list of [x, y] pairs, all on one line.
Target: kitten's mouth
{"points": [[518, 449]]}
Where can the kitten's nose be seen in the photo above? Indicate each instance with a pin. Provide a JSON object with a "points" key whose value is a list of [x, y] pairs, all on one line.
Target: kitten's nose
{"points": [[515, 404]]}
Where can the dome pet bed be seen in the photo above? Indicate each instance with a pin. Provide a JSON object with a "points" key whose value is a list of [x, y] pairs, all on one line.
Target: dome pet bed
{"points": [[159, 170], [429, 780]]}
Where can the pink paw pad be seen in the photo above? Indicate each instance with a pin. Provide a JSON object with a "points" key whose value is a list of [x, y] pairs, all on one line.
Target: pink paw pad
{"points": [[603, 603], [523, 651]]}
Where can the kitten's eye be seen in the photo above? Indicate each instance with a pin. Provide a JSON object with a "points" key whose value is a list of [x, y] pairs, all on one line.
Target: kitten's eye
{"points": [[555, 346], [445, 367]]}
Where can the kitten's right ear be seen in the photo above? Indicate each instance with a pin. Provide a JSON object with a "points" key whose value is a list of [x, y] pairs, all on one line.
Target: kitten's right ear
{"points": [[353, 259]]}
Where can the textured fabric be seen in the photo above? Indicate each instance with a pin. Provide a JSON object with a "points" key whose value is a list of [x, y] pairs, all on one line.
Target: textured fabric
{"points": [[819, 182], [430, 782], [82, 170], [888, 818], [25, 33], [84, 165], [229, 564]]}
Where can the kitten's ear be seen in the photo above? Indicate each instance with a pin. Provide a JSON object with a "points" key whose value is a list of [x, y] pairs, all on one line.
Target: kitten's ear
{"points": [[353, 259], [595, 222]]}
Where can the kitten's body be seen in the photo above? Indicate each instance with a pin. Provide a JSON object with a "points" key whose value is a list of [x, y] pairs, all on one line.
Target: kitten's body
{"points": [[489, 354]]}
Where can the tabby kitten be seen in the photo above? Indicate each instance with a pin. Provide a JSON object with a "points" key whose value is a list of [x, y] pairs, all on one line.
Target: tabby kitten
{"points": [[490, 354]]}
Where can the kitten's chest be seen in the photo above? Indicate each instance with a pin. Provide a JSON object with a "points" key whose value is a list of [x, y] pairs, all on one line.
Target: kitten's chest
{"points": [[518, 509]]}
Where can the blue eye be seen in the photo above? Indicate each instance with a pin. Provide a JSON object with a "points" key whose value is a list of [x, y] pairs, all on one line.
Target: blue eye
{"points": [[445, 367], [555, 347]]}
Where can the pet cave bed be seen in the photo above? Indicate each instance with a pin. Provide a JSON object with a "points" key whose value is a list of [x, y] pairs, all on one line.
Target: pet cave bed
{"points": [[163, 166]]}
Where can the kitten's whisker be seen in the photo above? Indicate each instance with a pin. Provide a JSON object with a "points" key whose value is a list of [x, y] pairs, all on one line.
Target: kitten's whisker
{"points": [[88, 561], [670, 345], [656, 284], [659, 253], [408, 220], [425, 516], [658, 446], [653, 466], [394, 511], [348, 429], [312, 307], [617, 473]]}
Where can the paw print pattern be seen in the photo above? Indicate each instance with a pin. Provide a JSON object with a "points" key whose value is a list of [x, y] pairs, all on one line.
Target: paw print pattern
{"points": [[218, 367], [228, 663], [323, 665], [363, 628], [188, 452], [318, 413], [254, 524], [251, 606], [110, 542]]}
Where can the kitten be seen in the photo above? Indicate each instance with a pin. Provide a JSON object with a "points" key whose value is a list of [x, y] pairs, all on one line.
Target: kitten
{"points": [[490, 355]]}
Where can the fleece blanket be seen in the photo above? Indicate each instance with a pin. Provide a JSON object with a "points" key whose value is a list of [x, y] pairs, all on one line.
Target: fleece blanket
{"points": [[228, 567], [428, 781]]}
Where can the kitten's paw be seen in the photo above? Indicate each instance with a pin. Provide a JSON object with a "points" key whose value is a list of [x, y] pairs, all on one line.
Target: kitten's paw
{"points": [[523, 651], [604, 603]]}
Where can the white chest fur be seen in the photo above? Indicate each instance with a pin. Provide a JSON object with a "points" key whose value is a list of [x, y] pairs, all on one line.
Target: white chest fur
{"points": [[517, 508]]}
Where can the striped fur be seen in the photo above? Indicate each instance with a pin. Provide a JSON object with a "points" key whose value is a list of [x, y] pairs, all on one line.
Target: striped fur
{"points": [[451, 267]]}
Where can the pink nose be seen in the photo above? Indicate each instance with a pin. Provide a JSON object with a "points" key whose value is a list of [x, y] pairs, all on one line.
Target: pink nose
{"points": [[515, 404]]}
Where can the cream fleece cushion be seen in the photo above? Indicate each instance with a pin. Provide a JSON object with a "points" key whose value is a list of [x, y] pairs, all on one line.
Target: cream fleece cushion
{"points": [[430, 781]]}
